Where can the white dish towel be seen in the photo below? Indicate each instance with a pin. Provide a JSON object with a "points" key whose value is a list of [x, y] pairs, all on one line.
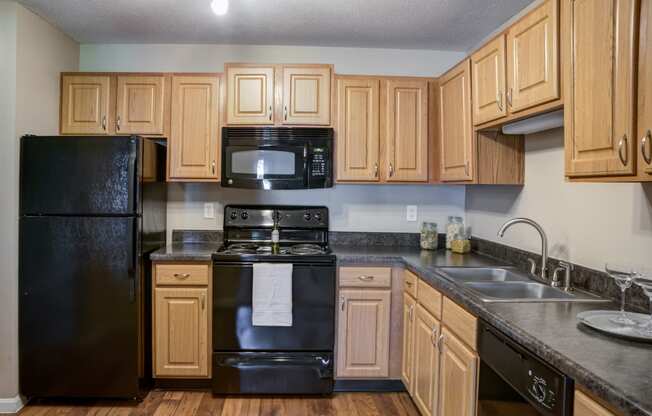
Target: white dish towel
{"points": [[272, 295]]}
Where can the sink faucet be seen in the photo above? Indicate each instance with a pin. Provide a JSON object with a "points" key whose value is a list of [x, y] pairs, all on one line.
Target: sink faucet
{"points": [[544, 243]]}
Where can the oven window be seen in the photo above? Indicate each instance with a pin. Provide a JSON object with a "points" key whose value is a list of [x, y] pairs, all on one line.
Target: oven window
{"points": [[263, 163]]}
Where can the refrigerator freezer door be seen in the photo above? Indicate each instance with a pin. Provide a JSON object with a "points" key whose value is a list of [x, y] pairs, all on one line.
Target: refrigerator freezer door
{"points": [[78, 307], [79, 175]]}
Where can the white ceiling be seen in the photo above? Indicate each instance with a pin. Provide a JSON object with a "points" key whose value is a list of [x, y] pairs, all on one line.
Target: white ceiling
{"points": [[412, 24]]}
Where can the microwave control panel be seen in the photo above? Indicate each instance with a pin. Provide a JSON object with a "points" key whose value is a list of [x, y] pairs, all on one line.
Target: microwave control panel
{"points": [[318, 166]]}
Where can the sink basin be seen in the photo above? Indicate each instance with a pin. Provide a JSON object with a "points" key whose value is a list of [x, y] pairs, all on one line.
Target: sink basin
{"points": [[508, 284], [483, 274]]}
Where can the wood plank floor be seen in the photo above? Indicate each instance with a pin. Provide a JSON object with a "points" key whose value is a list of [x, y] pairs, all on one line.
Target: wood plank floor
{"points": [[199, 403]]}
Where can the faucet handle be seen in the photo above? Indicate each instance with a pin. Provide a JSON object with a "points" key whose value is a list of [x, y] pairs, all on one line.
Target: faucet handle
{"points": [[533, 265], [566, 267]]}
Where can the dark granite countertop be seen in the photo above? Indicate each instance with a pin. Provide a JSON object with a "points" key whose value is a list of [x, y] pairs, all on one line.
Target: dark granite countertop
{"points": [[615, 370]]}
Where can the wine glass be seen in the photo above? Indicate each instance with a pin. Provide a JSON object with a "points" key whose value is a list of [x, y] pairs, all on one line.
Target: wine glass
{"points": [[644, 280], [623, 276]]}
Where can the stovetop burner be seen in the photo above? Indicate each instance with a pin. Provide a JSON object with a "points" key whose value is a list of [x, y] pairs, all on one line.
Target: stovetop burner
{"points": [[265, 249]]}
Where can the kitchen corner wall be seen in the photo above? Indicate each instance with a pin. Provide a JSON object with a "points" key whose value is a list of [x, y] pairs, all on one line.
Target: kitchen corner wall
{"points": [[33, 54], [353, 207], [588, 224]]}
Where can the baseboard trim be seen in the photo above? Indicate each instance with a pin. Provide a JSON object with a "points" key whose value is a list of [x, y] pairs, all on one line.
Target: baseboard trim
{"points": [[11, 405], [369, 386]]}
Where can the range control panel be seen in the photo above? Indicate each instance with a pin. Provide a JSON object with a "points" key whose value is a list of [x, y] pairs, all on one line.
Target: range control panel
{"points": [[285, 217]]}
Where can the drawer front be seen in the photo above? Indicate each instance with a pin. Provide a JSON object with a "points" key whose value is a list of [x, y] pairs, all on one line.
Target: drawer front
{"points": [[410, 283], [462, 323], [365, 277], [429, 298], [182, 274]]}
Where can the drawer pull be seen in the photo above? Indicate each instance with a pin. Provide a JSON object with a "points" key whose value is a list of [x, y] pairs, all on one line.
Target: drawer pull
{"points": [[365, 278], [434, 339], [182, 276], [407, 282]]}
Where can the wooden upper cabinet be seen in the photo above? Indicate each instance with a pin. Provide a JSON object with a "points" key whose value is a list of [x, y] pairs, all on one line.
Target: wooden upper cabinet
{"points": [[357, 130], [193, 142], [645, 93], [586, 406], [458, 377], [406, 130], [488, 69], [181, 332], [140, 104], [407, 363], [599, 94], [455, 124], [85, 104], [250, 95], [426, 361], [363, 333], [533, 58], [307, 95]]}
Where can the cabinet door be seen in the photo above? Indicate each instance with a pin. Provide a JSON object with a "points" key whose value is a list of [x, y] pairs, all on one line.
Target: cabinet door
{"points": [[406, 130], [645, 92], [407, 367], [85, 101], [488, 69], [426, 362], [307, 95], [533, 58], [458, 377], [585, 406], [455, 125], [599, 100], [193, 143], [363, 333], [140, 105], [357, 130], [181, 332], [250, 95]]}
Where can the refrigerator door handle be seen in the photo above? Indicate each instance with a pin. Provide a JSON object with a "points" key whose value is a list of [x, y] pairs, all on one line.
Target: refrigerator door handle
{"points": [[132, 290]]}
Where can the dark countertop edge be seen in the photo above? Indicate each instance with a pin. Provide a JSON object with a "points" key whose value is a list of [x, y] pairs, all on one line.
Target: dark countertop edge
{"points": [[583, 376]]}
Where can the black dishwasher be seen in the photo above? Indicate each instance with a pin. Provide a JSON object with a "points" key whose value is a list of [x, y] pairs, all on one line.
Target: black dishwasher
{"points": [[514, 382]]}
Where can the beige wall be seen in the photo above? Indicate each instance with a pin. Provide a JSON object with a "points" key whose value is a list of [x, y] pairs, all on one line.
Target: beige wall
{"points": [[353, 207], [33, 52], [589, 224]]}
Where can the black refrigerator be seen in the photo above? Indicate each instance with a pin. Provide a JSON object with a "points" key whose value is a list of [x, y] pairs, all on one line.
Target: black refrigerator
{"points": [[91, 211]]}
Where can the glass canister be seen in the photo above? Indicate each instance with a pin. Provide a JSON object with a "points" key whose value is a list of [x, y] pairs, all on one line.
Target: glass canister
{"points": [[429, 236], [455, 225], [461, 243]]}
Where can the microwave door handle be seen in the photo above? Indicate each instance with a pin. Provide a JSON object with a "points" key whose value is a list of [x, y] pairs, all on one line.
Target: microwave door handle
{"points": [[306, 165]]}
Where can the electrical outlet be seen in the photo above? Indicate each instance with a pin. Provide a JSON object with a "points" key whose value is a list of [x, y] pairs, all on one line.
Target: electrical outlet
{"points": [[411, 213], [209, 210]]}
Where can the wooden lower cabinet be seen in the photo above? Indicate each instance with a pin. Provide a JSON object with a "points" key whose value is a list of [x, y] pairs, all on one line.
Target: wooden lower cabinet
{"points": [[181, 332], [425, 388], [409, 305], [586, 406], [458, 377], [363, 333]]}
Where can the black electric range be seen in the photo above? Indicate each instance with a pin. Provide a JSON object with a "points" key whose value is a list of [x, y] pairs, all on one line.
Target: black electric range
{"points": [[250, 359]]}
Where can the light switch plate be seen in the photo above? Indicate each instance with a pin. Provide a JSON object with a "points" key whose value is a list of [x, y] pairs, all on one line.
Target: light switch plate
{"points": [[209, 210], [411, 213]]}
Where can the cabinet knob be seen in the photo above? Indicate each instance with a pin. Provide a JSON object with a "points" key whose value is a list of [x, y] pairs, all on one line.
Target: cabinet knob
{"points": [[646, 149], [117, 123], [213, 167], [499, 100], [509, 97], [285, 113], [391, 170], [270, 113], [375, 170], [103, 122]]}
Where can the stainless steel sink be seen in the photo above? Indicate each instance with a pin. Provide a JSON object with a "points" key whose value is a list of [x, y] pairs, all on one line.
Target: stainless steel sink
{"points": [[506, 284]]}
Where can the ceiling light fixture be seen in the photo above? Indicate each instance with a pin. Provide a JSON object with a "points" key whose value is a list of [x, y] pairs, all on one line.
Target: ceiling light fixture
{"points": [[220, 7]]}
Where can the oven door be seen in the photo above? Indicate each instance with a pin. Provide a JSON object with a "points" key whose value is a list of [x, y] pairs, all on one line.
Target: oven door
{"points": [[313, 310], [265, 166]]}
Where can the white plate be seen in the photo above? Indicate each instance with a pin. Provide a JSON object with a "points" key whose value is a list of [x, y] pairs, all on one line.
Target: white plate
{"points": [[601, 320]]}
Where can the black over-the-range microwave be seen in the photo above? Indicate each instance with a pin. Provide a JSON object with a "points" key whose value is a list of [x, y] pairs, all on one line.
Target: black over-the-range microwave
{"points": [[277, 157]]}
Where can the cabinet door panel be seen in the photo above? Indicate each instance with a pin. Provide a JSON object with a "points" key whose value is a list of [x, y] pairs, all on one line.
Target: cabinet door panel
{"points": [[363, 333], [585, 406], [426, 362], [250, 95], [456, 129], [407, 367], [140, 105], [458, 378], [181, 332], [358, 138], [193, 143], [645, 92], [488, 69], [599, 101], [85, 101], [533, 58], [307, 95], [406, 131]]}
